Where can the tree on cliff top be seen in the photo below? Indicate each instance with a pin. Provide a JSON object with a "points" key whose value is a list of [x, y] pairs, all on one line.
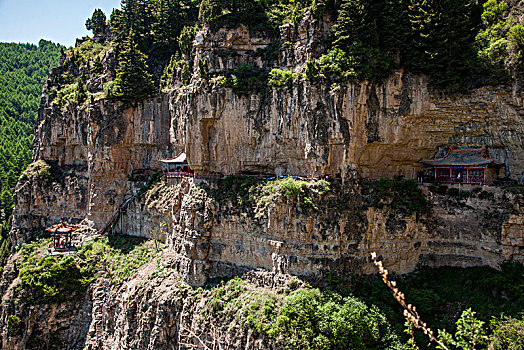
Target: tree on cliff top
{"points": [[501, 39], [97, 23], [133, 81]]}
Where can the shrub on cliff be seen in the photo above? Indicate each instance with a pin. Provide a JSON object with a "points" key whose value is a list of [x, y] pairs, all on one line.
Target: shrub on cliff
{"points": [[250, 193], [39, 169], [54, 278], [303, 318], [246, 79], [62, 277], [282, 78], [13, 325], [397, 194]]}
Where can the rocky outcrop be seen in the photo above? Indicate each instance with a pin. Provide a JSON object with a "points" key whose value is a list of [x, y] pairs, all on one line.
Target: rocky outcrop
{"points": [[42, 325], [152, 309], [332, 236]]}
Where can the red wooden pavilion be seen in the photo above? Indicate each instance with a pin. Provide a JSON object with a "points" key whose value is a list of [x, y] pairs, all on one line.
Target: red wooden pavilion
{"points": [[62, 235]]}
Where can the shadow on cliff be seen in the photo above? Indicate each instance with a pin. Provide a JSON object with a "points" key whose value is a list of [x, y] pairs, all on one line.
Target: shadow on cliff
{"points": [[124, 243]]}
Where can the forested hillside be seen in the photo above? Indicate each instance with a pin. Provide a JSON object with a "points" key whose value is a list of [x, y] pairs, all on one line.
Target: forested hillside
{"points": [[23, 71]]}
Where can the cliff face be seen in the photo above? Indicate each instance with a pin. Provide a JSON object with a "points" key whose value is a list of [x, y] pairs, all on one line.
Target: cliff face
{"points": [[313, 128], [100, 153], [329, 234], [151, 309]]}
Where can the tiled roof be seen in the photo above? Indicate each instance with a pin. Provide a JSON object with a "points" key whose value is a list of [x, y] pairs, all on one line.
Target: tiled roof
{"points": [[467, 156]]}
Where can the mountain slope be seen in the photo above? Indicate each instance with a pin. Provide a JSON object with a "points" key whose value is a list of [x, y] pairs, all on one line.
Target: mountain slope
{"points": [[23, 71]]}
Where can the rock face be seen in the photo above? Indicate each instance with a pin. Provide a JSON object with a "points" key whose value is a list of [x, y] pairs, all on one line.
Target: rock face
{"points": [[44, 325], [99, 152], [152, 309], [333, 236]]}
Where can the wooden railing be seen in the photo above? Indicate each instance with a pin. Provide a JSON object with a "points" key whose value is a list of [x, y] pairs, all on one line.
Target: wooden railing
{"points": [[454, 180]]}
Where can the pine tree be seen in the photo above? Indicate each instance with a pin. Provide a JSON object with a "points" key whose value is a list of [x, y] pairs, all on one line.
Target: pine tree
{"points": [[97, 23], [444, 36], [133, 81]]}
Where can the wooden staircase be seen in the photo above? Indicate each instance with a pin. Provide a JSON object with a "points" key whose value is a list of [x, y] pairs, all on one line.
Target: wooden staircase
{"points": [[114, 219]]}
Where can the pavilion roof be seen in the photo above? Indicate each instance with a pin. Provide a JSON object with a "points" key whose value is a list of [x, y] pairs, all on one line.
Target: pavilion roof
{"points": [[465, 156], [179, 159], [61, 227]]}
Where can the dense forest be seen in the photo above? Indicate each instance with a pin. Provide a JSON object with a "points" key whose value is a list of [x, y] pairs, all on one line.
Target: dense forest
{"points": [[23, 71]]}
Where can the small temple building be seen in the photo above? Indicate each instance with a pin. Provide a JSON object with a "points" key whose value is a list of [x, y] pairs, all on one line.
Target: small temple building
{"points": [[62, 235], [177, 167], [466, 165], [177, 164]]}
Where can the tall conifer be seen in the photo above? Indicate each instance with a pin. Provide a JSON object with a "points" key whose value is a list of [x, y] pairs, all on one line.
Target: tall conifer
{"points": [[133, 81]]}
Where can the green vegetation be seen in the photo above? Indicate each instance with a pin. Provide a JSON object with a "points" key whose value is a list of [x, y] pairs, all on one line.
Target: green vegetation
{"points": [[23, 71], [281, 78], [185, 40], [260, 14], [39, 169], [55, 278], [253, 194], [97, 23], [247, 79], [133, 81], [13, 325], [508, 333], [397, 194], [334, 66], [303, 318], [458, 44], [441, 294], [119, 255], [469, 334], [501, 39]]}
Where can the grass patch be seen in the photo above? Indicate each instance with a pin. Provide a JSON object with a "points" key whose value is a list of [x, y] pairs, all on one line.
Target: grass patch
{"points": [[119, 255]]}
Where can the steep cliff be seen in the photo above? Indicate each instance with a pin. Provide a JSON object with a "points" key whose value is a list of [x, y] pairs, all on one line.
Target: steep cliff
{"points": [[148, 306], [101, 151], [315, 230]]}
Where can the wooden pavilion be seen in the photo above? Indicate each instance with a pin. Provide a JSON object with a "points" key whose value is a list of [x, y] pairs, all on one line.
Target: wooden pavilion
{"points": [[62, 235], [467, 165]]}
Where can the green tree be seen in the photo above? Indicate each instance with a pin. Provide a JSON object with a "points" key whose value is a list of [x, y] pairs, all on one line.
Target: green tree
{"points": [[185, 40], [133, 81], [24, 69], [443, 34], [501, 39], [470, 333], [97, 23]]}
